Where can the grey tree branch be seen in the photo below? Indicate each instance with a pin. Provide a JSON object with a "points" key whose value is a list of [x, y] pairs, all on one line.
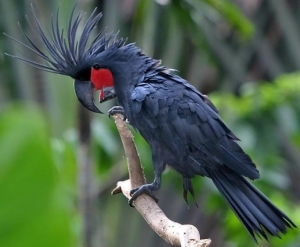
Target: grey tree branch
{"points": [[172, 232]]}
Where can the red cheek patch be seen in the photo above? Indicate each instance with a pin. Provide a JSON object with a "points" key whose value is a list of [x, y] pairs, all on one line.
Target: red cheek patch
{"points": [[101, 78]]}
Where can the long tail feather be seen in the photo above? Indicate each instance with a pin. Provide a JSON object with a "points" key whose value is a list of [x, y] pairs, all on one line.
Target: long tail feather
{"points": [[252, 207]]}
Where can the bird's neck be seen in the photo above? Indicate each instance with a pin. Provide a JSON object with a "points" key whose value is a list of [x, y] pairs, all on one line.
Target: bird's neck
{"points": [[128, 75]]}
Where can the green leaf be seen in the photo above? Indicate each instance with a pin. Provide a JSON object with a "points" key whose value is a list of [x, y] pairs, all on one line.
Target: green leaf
{"points": [[234, 16], [33, 212]]}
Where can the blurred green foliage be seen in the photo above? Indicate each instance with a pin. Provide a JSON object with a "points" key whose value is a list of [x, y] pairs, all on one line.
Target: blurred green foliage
{"points": [[217, 46], [263, 98], [35, 209]]}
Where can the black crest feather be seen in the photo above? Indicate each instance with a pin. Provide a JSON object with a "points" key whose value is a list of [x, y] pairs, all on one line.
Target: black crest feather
{"points": [[65, 53]]}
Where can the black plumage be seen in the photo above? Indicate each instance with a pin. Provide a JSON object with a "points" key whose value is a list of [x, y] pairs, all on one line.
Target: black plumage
{"points": [[181, 125]]}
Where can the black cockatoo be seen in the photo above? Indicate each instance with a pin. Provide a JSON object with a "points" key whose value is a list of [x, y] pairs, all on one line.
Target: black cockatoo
{"points": [[180, 124]]}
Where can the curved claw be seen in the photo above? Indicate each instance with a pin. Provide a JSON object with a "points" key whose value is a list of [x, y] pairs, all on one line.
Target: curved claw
{"points": [[144, 189], [116, 110]]}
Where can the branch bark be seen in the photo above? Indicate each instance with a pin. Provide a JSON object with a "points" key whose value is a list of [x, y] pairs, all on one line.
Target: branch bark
{"points": [[172, 232]]}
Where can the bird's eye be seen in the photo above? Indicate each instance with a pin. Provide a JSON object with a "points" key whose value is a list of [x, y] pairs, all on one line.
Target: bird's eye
{"points": [[96, 66]]}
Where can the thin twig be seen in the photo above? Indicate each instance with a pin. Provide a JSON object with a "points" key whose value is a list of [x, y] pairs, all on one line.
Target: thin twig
{"points": [[172, 232]]}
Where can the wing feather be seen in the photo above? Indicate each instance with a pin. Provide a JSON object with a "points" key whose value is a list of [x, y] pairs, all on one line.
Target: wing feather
{"points": [[188, 126]]}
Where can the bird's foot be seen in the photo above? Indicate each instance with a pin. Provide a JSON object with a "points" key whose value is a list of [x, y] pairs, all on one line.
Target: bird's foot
{"points": [[117, 110], [144, 189]]}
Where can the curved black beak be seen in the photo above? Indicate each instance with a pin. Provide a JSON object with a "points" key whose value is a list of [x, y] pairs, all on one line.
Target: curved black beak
{"points": [[84, 92]]}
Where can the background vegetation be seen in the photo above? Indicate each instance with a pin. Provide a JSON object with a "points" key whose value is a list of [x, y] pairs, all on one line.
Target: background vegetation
{"points": [[58, 163]]}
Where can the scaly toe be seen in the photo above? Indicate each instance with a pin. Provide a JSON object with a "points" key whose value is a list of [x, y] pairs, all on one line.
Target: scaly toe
{"points": [[145, 189]]}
